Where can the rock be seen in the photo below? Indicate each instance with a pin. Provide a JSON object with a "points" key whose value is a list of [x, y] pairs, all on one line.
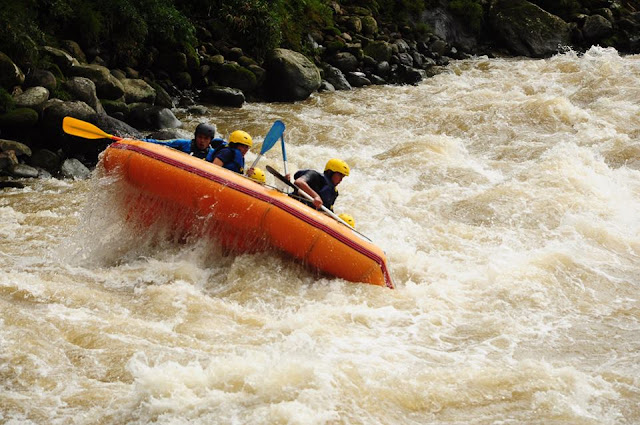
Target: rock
{"points": [[19, 118], [34, 98], [46, 159], [290, 75], [114, 126], [344, 61], [383, 69], [107, 86], [18, 148], [138, 91], [527, 29], [596, 28], [84, 89], [183, 80], [225, 96], [379, 81], [449, 27], [326, 86], [172, 61], [52, 115], [113, 106], [119, 74], [369, 26], [233, 75], [354, 24], [23, 170], [379, 50], [404, 59], [143, 115], [162, 97], [358, 79], [10, 74], [170, 134], [259, 72], [62, 59], [74, 169], [74, 49], [337, 79], [42, 78]]}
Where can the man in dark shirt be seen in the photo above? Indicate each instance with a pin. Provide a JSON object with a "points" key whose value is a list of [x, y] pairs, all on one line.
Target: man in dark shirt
{"points": [[322, 187]]}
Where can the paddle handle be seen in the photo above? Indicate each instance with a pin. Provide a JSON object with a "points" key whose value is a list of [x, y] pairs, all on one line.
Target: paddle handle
{"points": [[284, 154]]}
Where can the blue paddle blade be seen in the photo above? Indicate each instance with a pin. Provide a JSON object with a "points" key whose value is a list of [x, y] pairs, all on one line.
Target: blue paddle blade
{"points": [[272, 136]]}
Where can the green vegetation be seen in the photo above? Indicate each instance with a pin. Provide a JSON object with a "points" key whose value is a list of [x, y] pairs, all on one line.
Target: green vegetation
{"points": [[6, 101], [470, 11]]}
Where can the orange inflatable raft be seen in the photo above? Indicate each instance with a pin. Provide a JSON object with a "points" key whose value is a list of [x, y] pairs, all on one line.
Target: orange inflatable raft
{"points": [[241, 214]]}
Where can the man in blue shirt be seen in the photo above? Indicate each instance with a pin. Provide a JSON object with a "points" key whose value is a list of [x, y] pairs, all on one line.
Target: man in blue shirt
{"points": [[203, 146], [231, 157]]}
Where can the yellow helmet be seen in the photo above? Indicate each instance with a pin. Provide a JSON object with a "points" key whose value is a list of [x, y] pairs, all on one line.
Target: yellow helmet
{"points": [[338, 166], [348, 219], [258, 175], [241, 137]]}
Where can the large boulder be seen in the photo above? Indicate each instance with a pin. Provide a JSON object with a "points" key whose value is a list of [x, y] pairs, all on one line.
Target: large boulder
{"points": [[74, 169], [116, 127], [74, 49], [162, 97], [527, 29], [84, 89], [46, 159], [10, 74], [33, 97], [290, 75], [107, 86], [136, 90], [224, 96]]}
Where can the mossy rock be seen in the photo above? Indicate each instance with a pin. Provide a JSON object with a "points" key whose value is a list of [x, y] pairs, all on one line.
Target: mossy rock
{"points": [[379, 50], [113, 106], [10, 74], [235, 76], [19, 117]]}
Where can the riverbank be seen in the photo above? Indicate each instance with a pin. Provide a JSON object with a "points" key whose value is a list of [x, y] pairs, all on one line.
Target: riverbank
{"points": [[243, 58]]}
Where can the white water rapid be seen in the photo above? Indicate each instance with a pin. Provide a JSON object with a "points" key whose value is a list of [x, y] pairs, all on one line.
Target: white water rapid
{"points": [[506, 194]]}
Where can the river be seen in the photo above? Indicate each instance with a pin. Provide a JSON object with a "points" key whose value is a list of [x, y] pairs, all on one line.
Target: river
{"points": [[506, 194]]}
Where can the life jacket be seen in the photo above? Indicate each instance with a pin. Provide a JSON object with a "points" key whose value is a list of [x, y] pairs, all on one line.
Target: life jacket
{"points": [[199, 153], [237, 164]]}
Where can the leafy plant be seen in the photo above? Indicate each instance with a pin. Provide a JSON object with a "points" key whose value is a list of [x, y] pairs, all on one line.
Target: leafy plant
{"points": [[469, 11]]}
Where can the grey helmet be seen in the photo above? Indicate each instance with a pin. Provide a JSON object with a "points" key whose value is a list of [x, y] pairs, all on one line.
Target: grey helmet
{"points": [[206, 129]]}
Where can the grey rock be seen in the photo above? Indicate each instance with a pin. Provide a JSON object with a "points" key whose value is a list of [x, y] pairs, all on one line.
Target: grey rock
{"points": [[107, 86], [84, 89], [11, 145], [73, 169], [290, 76], [337, 79], [43, 78], [225, 96], [33, 97], [23, 170], [136, 90], [62, 59], [596, 28]]}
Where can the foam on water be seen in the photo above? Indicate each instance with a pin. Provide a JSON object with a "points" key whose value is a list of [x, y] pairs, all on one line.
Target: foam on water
{"points": [[505, 194]]}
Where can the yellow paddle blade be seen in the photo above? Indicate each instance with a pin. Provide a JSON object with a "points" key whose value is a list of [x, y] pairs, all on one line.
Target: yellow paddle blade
{"points": [[83, 129]]}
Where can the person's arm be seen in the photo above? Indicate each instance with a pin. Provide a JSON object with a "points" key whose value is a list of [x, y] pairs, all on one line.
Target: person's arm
{"points": [[302, 184], [223, 156], [218, 161]]}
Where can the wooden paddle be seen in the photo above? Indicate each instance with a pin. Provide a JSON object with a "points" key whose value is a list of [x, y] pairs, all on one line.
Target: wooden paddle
{"points": [[76, 127]]}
